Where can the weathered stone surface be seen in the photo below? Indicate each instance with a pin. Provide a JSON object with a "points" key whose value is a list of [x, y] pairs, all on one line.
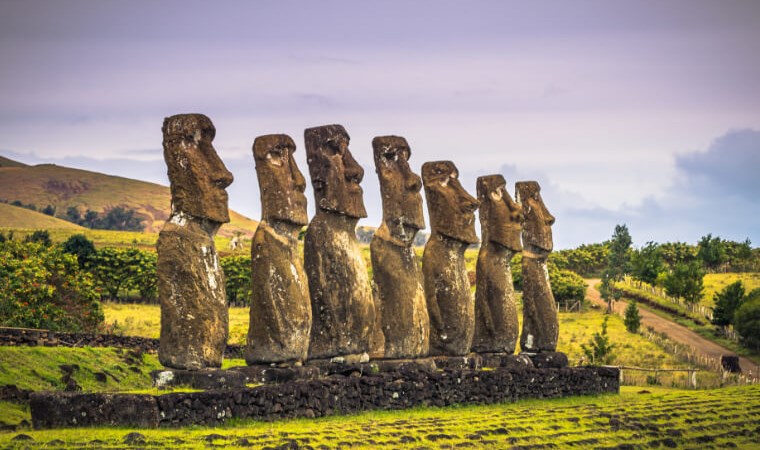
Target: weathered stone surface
{"points": [[496, 325], [540, 322], [199, 379], [194, 322], [280, 317], [63, 409], [400, 298], [549, 360], [343, 309], [447, 288]]}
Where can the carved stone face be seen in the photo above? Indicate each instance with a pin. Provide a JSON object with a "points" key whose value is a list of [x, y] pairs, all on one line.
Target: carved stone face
{"points": [[451, 208], [281, 183], [197, 175], [500, 217], [399, 187], [537, 229], [335, 174]]}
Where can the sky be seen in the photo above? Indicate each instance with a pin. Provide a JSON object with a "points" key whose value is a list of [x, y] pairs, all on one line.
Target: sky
{"points": [[638, 112]]}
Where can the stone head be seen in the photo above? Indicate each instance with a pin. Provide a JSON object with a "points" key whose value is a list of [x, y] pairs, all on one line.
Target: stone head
{"points": [[537, 229], [500, 217], [399, 187], [335, 174], [281, 183], [197, 175], [451, 208]]}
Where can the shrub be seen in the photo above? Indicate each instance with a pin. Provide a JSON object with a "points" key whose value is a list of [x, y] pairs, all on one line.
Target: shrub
{"points": [[237, 279], [567, 286], [41, 237], [747, 323], [121, 269], [43, 287], [599, 348], [632, 317], [81, 247], [727, 301]]}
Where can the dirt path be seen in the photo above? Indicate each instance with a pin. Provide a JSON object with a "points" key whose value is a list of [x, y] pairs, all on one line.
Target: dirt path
{"points": [[674, 331]]}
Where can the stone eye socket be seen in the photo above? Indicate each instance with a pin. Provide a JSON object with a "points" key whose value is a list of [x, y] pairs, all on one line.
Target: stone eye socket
{"points": [[390, 155]]}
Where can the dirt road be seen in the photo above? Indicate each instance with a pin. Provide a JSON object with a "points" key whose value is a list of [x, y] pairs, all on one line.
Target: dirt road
{"points": [[674, 331]]}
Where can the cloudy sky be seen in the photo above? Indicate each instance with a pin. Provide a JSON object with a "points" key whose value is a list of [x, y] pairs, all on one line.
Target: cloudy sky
{"points": [[638, 112]]}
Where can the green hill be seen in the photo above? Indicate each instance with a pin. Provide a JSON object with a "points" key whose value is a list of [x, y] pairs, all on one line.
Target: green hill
{"points": [[18, 217], [64, 187]]}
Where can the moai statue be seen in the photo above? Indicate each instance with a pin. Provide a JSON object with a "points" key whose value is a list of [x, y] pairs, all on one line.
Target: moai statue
{"points": [[496, 326], [540, 322], [280, 321], [400, 298], [343, 310], [447, 288], [194, 322]]}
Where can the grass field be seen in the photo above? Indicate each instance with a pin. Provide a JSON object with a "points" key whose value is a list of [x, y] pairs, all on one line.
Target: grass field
{"points": [[715, 282], [652, 417]]}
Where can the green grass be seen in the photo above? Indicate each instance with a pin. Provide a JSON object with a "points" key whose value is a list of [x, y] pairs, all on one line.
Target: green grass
{"points": [[37, 368], [654, 417], [715, 282], [18, 217]]}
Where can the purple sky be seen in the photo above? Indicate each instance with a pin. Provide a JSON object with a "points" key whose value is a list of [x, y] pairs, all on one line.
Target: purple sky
{"points": [[637, 112]]}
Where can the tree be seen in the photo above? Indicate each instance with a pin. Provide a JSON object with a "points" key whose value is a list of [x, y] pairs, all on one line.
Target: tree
{"points": [[727, 301], [685, 281], [114, 269], [647, 263], [237, 279], [747, 323], [677, 252], [73, 215], [618, 264], [43, 287], [632, 318], [599, 348], [41, 237], [712, 252], [49, 210], [567, 286], [81, 247]]}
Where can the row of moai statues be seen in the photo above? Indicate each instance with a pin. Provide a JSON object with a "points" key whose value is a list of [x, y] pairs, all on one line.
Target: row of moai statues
{"points": [[323, 305]]}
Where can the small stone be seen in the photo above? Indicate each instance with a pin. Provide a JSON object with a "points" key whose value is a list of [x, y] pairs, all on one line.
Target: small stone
{"points": [[134, 438], [21, 437]]}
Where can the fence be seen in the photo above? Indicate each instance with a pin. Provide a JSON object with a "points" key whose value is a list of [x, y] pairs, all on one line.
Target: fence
{"points": [[702, 310]]}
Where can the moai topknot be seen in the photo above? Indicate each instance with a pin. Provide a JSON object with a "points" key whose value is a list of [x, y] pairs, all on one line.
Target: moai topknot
{"points": [[400, 297], [496, 326], [194, 323], [447, 288], [540, 323], [343, 310], [280, 318]]}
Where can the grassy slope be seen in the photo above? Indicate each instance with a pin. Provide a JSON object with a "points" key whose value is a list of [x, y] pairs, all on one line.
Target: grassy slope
{"points": [[643, 418], [49, 184], [18, 217], [715, 282]]}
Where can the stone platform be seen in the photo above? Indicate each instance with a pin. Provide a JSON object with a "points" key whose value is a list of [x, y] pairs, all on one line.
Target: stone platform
{"points": [[405, 387]]}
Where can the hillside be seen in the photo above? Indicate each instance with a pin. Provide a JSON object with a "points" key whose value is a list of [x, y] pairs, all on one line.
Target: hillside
{"points": [[63, 187], [18, 217]]}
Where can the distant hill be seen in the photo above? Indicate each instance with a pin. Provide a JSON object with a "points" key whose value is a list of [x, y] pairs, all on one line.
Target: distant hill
{"points": [[18, 217], [63, 187]]}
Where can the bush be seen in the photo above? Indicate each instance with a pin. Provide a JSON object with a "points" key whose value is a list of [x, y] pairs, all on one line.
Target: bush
{"points": [[81, 247], [43, 287], [118, 270], [41, 237], [599, 348], [237, 279], [567, 286], [747, 323], [632, 317], [727, 301]]}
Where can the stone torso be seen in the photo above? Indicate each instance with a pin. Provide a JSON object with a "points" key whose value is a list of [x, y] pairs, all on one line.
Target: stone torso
{"points": [[496, 326], [194, 318], [280, 317], [540, 322], [400, 298], [343, 310], [449, 299]]}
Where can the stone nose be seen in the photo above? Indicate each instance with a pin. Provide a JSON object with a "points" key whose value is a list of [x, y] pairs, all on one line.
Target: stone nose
{"points": [[353, 171], [299, 182], [223, 177], [413, 182]]}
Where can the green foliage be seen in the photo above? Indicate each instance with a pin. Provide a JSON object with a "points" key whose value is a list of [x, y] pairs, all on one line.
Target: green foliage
{"points": [[587, 260], [618, 263], [685, 281], [49, 210], [727, 302], [712, 252], [747, 322], [632, 317], [117, 270], [237, 279], [647, 263], [41, 237], [43, 287], [118, 218], [677, 252], [567, 286], [81, 247], [599, 349]]}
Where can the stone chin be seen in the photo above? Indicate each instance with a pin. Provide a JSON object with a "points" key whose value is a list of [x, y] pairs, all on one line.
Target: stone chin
{"points": [[464, 234]]}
